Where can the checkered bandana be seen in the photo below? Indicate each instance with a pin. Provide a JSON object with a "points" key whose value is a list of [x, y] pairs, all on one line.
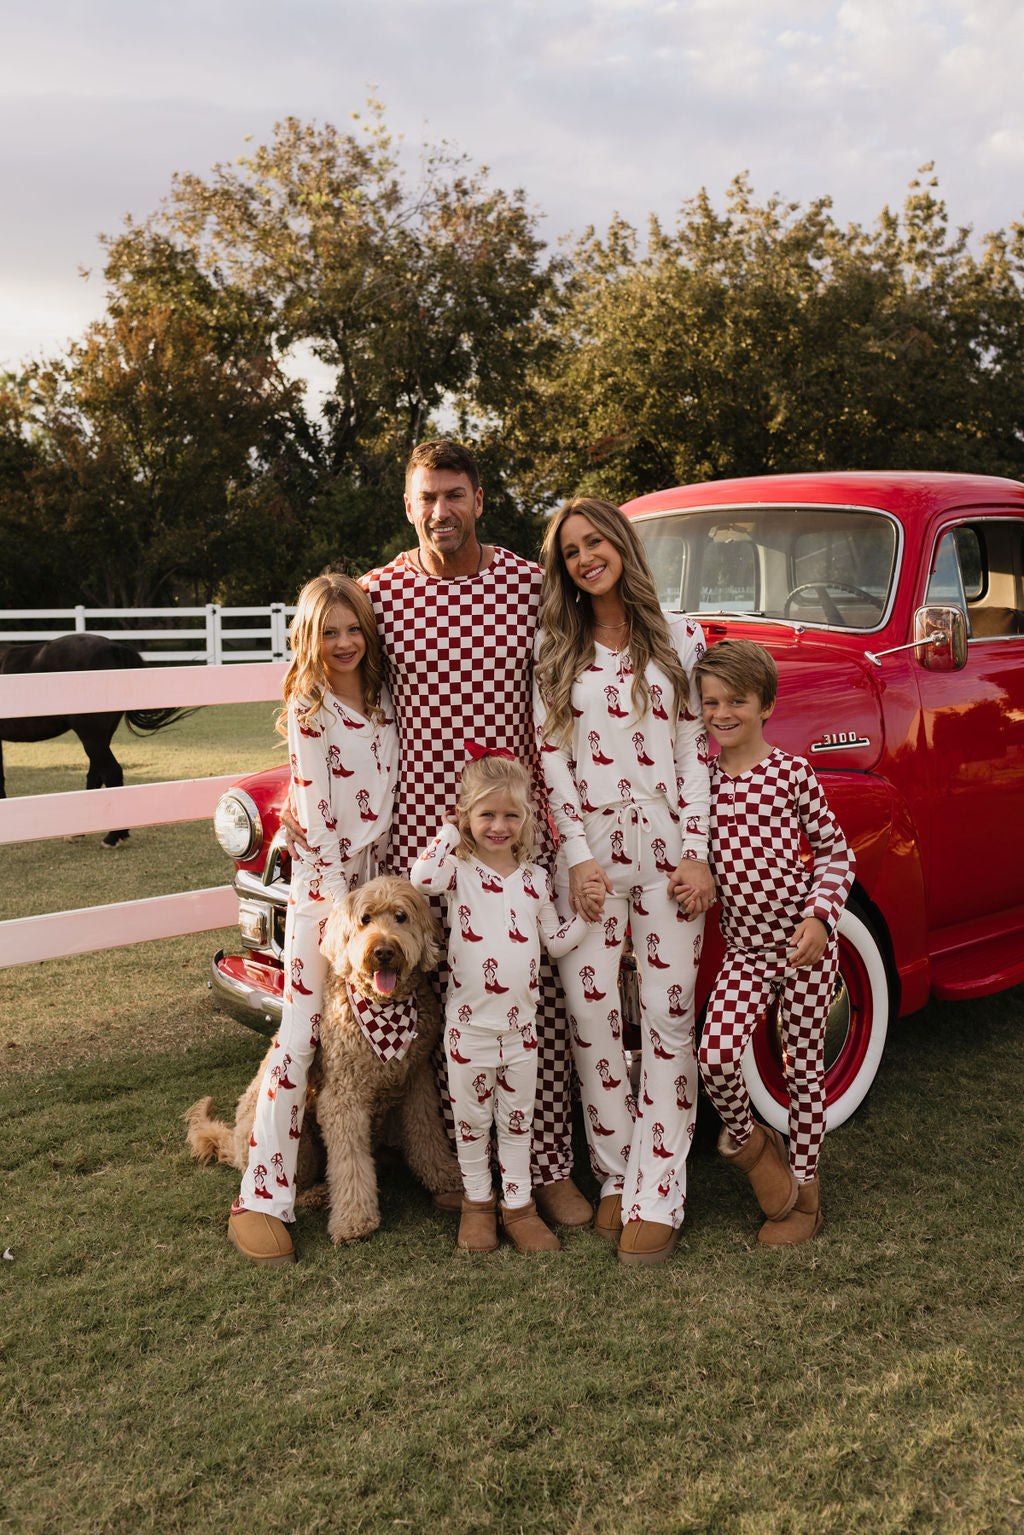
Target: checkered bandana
{"points": [[389, 1028]]}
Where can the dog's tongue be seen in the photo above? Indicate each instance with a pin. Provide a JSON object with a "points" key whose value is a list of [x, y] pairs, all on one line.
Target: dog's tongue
{"points": [[385, 981]]}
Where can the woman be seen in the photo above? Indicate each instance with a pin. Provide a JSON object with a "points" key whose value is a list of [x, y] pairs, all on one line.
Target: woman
{"points": [[626, 767]]}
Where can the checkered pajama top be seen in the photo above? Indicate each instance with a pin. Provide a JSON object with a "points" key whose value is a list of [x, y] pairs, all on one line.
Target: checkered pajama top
{"points": [[458, 665], [765, 887]]}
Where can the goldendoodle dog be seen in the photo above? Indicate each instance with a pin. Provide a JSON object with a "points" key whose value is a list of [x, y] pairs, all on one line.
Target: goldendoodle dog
{"points": [[381, 941]]}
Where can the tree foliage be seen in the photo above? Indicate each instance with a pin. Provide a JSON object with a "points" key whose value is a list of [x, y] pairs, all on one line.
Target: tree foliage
{"points": [[153, 429], [418, 296], [768, 339], [166, 456]]}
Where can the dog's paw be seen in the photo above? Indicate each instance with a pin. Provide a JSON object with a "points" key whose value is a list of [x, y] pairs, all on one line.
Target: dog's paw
{"points": [[316, 1197], [351, 1230]]}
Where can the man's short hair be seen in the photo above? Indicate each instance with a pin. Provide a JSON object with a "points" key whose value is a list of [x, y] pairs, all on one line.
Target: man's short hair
{"points": [[743, 666], [442, 453]]}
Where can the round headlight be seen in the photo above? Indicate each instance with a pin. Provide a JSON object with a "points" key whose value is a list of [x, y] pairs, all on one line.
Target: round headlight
{"points": [[237, 825]]}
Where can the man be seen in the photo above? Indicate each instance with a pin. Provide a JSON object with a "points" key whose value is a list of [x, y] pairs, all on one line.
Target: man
{"points": [[457, 620]]}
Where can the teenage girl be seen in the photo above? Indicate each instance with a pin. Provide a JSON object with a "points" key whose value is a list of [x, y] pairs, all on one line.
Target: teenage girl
{"points": [[343, 750], [627, 776], [499, 907]]}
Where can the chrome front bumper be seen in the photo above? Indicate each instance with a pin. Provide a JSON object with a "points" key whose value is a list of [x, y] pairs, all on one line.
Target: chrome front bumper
{"points": [[246, 1000]]}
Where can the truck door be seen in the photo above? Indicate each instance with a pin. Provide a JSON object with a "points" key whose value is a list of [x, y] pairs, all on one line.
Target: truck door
{"points": [[974, 724]]}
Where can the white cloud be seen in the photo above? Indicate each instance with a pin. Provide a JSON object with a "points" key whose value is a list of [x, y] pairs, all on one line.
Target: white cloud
{"points": [[591, 105]]}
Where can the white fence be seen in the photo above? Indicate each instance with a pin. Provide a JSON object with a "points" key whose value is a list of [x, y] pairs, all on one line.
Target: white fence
{"points": [[212, 635], [33, 816]]}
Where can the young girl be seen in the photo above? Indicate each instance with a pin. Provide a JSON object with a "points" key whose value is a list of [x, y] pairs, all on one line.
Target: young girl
{"points": [[343, 749], [498, 903], [628, 787]]}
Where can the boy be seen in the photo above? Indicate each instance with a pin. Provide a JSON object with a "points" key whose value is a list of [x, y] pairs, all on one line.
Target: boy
{"points": [[778, 921]]}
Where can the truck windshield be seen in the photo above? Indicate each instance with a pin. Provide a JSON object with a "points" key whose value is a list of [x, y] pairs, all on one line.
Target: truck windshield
{"points": [[827, 566]]}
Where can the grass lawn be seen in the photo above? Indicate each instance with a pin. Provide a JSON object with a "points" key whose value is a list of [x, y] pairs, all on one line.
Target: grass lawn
{"points": [[870, 1381]]}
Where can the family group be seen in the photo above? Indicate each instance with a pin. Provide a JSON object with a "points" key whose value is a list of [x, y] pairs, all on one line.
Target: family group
{"points": [[530, 745]]}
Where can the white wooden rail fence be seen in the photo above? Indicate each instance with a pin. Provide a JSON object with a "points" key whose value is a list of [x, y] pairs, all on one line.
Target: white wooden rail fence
{"points": [[212, 634], [30, 817]]}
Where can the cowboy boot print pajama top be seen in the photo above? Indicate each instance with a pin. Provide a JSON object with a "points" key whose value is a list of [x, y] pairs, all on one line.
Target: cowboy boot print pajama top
{"points": [[495, 925]]}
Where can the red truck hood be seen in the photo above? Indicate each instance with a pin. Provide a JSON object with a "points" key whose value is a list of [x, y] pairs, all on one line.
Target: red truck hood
{"points": [[828, 708]]}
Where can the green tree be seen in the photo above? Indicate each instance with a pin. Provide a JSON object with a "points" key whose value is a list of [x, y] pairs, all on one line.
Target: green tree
{"points": [[154, 431], [768, 339], [36, 568], [417, 294]]}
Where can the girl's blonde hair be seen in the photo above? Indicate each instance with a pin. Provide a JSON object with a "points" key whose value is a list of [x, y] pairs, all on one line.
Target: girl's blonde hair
{"points": [[497, 775], [567, 619], [305, 681]]}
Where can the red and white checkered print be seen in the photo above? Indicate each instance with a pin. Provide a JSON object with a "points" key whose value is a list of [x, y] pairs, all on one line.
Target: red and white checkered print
{"points": [[458, 660], [745, 988], [756, 822], [767, 890]]}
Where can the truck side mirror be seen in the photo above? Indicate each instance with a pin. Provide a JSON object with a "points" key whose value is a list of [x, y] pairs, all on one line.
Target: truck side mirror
{"points": [[940, 635]]}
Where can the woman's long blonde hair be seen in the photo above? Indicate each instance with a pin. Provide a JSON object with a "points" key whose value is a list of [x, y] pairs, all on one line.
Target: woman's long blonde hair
{"points": [[567, 619], [305, 681]]}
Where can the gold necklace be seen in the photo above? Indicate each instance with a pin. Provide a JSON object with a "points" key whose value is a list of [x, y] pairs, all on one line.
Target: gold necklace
{"points": [[426, 572]]}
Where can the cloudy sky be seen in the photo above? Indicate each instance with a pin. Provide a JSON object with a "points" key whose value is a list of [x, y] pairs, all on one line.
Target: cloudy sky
{"points": [[593, 106]]}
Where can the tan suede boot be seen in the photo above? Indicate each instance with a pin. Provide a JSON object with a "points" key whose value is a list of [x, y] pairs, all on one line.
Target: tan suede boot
{"points": [[647, 1242], [478, 1228], [562, 1204], [765, 1163], [261, 1238], [804, 1221], [526, 1231], [608, 1220]]}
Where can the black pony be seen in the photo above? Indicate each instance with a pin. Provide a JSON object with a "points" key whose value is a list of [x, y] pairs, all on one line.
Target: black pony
{"points": [[80, 653]]}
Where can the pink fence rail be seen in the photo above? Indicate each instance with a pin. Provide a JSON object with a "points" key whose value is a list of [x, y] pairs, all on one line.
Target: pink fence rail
{"points": [[26, 940]]}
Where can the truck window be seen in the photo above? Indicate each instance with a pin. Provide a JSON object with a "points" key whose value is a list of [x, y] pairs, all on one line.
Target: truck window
{"points": [[817, 566], [979, 568]]}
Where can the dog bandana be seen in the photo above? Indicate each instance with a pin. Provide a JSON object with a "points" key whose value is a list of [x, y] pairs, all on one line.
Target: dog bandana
{"points": [[389, 1028]]}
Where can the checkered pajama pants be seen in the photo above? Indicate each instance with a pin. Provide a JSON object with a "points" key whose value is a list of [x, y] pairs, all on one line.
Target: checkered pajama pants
{"points": [[745, 987]]}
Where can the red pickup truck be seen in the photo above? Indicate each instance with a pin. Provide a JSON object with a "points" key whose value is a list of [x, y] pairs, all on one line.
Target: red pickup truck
{"points": [[893, 604]]}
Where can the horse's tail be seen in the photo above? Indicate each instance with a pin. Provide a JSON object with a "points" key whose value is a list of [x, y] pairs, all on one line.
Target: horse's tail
{"points": [[142, 721]]}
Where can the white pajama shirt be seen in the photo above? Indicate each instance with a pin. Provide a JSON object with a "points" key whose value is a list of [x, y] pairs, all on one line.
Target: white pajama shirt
{"points": [[490, 1038], [343, 785], [633, 794], [766, 891], [495, 926], [458, 662]]}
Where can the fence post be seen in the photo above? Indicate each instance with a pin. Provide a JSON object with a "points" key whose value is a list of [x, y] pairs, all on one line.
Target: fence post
{"points": [[79, 619], [278, 631], [213, 635]]}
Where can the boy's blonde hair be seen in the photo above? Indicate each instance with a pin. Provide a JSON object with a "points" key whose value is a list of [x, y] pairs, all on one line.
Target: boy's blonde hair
{"points": [[496, 775], [744, 665], [306, 680]]}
